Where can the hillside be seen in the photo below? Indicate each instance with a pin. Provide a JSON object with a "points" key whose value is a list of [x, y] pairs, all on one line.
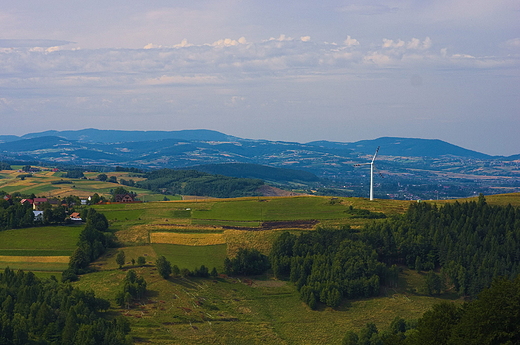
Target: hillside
{"points": [[226, 310]]}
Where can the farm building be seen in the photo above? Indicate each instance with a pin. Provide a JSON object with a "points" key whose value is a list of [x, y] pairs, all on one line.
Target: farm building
{"points": [[38, 201], [125, 197], [75, 217]]}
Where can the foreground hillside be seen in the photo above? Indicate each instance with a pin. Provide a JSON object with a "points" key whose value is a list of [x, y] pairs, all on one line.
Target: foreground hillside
{"points": [[230, 310]]}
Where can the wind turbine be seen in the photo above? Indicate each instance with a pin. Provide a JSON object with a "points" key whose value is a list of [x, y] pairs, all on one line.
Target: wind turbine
{"points": [[371, 173]]}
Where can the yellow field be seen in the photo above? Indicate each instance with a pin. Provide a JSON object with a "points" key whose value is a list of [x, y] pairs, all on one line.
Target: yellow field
{"points": [[46, 259], [187, 239]]}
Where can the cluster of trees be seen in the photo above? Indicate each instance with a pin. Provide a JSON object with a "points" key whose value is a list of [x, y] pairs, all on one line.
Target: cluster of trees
{"points": [[35, 311], [74, 174], [5, 166], [134, 288], [247, 262], [492, 318], [93, 241], [362, 213], [192, 182], [16, 215], [471, 242], [129, 169], [329, 264], [165, 269]]}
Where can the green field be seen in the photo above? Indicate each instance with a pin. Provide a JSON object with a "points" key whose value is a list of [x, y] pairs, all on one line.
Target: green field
{"points": [[45, 241], [193, 257]]}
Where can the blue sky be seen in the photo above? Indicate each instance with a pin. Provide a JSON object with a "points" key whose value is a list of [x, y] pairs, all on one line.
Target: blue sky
{"points": [[291, 71]]}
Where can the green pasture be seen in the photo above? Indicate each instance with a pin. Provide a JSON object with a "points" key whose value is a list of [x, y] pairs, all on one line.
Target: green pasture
{"points": [[191, 257], [52, 240], [227, 311]]}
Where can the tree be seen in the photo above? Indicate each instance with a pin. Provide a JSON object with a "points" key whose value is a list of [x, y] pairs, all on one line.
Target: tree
{"points": [[247, 262], [102, 177], [164, 267], [112, 179], [435, 326], [432, 284], [141, 261], [120, 258], [351, 338]]}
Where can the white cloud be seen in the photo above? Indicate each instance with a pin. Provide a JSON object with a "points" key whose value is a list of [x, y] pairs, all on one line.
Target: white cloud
{"points": [[305, 38], [391, 44], [351, 41], [512, 43]]}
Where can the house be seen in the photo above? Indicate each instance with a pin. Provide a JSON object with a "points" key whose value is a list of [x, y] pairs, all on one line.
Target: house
{"points": [[38, 216], [38, 201], [75, 217], [29, 201], [125, 197]]}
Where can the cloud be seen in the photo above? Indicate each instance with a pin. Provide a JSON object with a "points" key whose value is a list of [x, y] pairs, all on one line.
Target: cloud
{"points": [[513, 43], [224, 60], [351, 41], [414, 43]]}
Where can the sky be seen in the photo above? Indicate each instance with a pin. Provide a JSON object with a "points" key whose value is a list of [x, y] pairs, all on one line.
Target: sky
{"points": [[290, 71]]}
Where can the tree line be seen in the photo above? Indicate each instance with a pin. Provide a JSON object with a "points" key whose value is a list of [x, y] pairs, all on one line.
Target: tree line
{"points": [[94, 239], [471, 242], [192, 182]]}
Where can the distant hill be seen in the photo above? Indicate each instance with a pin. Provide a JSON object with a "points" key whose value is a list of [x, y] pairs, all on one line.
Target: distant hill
{"points": [[114, 136], [41, 143], [408, 147], [263, 172]]}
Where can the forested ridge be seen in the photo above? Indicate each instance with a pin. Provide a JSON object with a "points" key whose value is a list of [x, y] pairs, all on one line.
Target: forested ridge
{"points": [[470, 243], [192, 182]]}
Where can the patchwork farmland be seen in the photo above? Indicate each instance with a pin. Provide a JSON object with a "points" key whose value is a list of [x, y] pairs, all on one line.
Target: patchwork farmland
{"points": [[223, 310]]}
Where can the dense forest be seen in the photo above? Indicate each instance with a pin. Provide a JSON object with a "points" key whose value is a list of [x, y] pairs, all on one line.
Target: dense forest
{"points": [[327, 265], [35, 311], [470, 243], [192, 182]]}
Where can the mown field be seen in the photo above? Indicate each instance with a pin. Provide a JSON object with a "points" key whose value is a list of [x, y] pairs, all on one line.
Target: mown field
{"points": [[226, 310], [41, 184]]}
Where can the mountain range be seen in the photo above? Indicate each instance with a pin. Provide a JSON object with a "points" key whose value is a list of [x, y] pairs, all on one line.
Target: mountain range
{"points": [[407, 162]]}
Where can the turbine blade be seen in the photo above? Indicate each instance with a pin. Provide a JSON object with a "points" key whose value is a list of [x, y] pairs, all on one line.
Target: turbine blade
{"points": [[375, 154]]}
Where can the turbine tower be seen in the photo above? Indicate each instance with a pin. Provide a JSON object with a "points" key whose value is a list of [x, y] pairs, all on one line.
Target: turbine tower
{"points": [[371, 173]]}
